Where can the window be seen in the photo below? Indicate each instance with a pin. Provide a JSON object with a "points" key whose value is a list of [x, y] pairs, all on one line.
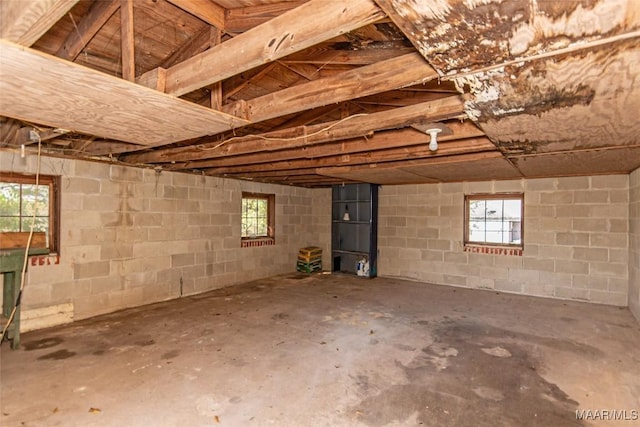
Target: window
{"points": [[494, 219], [20, 198], [258, 215]]}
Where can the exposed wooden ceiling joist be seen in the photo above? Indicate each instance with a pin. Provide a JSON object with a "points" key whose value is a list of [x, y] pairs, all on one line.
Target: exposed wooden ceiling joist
{"points": [[385, 156], [394, 73], [356, 151], [207, 10], [200, 42], [87, 28], [25, 21], [311, 23], [332, 53], [370, 171], [49, 88], [239, 20], [304, 136]]}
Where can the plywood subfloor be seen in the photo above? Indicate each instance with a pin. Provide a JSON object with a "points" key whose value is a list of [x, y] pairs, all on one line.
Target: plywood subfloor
{"points": [[329, 350]]}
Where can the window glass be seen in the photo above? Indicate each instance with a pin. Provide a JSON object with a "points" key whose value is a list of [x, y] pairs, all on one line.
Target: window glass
{"points": [[257, 215], [494, 219]]}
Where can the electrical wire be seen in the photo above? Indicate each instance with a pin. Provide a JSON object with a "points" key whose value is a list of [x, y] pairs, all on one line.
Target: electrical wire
{"points": [[293, 138], [28, 246]]}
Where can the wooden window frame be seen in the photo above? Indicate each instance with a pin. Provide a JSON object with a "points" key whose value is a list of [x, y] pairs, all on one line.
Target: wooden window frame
{"points": [[493, 196], [271, 214], [20, 239]]}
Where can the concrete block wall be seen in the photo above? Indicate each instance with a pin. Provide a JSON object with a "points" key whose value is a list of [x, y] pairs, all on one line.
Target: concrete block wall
{"points": [[321, 208], [576, 234], [131, 236], [634, 243]]}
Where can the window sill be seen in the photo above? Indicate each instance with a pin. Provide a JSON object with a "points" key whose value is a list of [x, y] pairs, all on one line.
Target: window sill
{"points": [[493, 250], [259, 241]]}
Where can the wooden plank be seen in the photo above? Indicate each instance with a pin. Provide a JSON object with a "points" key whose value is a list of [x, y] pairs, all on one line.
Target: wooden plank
{"points": [[9, 129], [241, 19], [127, 40], [206, 10], [74, 97], [25, 21], [325, 54], [154, 79], [216, 88], [304, 136], [352, 152], [14, 240], [200, 42], [24, 135], [88, 27], [352, 172], [332, 170], [618, 159], [392, 74], [474, 169], [306, 25]]}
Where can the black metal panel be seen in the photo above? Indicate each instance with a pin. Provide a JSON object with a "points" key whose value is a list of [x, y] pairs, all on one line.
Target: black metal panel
{"points": [[354, 227]]}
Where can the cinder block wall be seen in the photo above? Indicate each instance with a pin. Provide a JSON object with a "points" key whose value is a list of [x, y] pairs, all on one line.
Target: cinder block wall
{"points": [[321, 209], [131, 236], [576, 234], [634, 243]]}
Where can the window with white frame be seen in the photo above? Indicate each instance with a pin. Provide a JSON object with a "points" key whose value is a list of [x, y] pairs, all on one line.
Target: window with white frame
{"points": [[494, 219]]}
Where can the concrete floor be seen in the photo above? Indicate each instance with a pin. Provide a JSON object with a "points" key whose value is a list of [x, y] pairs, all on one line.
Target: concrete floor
{"points": [[330, 350]]}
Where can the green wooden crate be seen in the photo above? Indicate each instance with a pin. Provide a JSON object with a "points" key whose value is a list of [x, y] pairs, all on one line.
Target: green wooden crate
{"points": [[309, 267]]}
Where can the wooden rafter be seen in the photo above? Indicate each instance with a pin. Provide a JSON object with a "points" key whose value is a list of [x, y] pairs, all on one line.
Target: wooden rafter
{"points": [[335, 53], [311, 23], [304, 136], [394, 73], [25, 21], [239, 20], [200, 42], [206, 10], [87, 28], [381, 149], [388, 157]]}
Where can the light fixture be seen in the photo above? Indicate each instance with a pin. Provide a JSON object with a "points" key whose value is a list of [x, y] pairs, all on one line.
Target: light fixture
{"points": [[433, 144]]}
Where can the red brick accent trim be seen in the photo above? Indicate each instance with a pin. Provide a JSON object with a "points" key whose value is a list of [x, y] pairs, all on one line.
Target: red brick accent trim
{"points": [[493, 250], [257, 242]]}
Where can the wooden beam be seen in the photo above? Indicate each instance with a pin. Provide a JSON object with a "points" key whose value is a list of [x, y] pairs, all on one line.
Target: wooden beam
{"points": [[77, 98], [206, 10], [325, 54], [88, 27], [356, 151], [102, 148], [307, 25], [154, 79], [309, 116], [239, 82], [460, 158], [241, 19], [25, 21], [216, 88], [127, 40], [392, 74], [9, 129], [200, 42], [303, 136]]}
